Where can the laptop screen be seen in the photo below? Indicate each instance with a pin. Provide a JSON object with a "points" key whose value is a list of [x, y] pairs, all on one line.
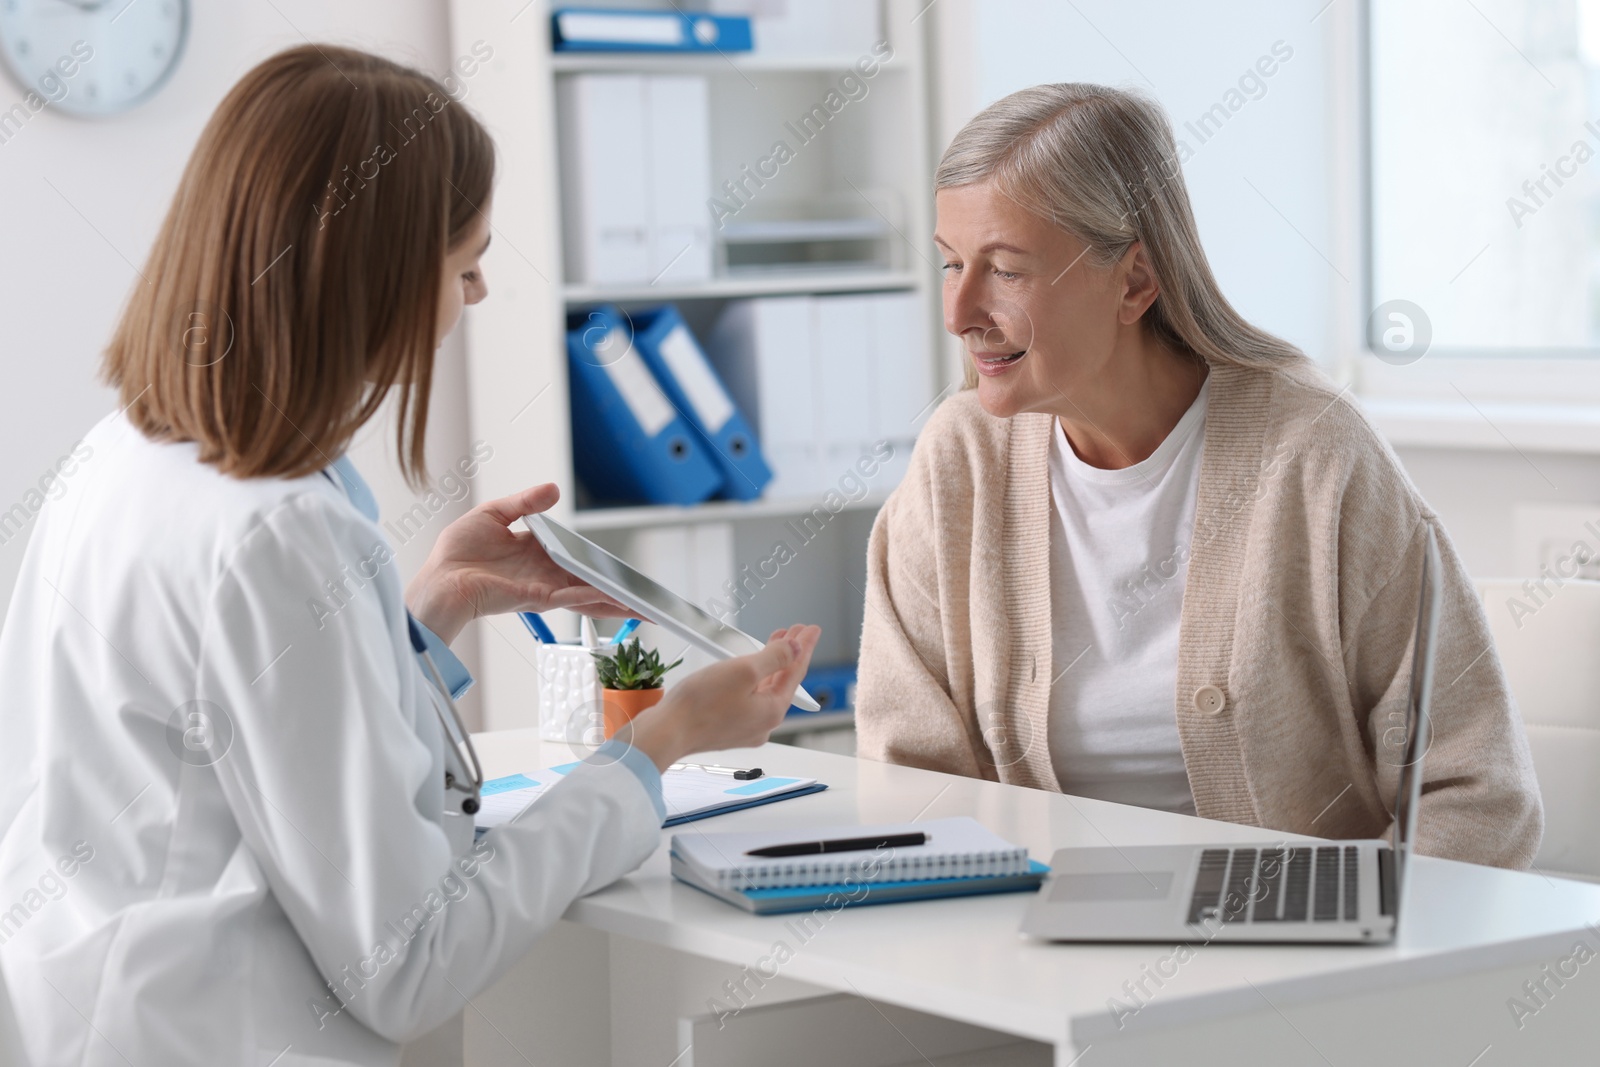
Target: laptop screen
{"points": [[1415, 745]]}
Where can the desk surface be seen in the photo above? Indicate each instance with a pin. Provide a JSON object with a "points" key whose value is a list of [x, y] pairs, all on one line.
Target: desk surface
{"points": [[964, 959]]}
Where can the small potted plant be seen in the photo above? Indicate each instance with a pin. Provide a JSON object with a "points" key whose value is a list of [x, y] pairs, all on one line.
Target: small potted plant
{"points": [[631, 678]]}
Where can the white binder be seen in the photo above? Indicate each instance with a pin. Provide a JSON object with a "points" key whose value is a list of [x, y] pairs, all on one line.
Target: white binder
{"points": [[762, 348], [678, 162], [843, 343], [604, 192], [901, 379], [635, 177], [825, 378]]}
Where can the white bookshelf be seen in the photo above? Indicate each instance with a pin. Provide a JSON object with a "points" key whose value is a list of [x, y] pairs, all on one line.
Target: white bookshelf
{"points": [[818, 281], [515, 341], [714, 63], [590, 520]]}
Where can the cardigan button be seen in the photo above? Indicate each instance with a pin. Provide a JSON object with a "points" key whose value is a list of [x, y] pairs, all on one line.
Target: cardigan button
{"points": [[1208, 700]]}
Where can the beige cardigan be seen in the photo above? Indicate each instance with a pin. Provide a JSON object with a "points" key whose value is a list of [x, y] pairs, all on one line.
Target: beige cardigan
{"points": [[1295, 643]]}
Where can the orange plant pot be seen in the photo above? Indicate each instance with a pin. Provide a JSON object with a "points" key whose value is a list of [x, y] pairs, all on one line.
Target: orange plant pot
{"points": [[622, 706]]}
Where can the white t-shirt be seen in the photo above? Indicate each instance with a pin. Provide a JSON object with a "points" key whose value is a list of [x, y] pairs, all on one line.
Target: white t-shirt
{"points": [[1119, 554]]}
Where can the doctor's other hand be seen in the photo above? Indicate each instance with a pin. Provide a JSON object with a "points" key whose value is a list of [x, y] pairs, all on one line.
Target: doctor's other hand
{"points": [[732, 704], [481, 566]]}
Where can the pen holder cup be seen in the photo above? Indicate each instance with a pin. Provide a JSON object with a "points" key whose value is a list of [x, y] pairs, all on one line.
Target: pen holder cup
{"points": [[570, 708], [622, 706]]}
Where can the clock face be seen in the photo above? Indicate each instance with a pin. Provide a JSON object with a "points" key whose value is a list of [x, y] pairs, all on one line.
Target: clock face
{"points": [[92, 57]]}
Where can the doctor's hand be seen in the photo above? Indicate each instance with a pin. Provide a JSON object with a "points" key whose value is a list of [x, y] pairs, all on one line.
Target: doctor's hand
{"points": [[733, 704], [481, 566]]}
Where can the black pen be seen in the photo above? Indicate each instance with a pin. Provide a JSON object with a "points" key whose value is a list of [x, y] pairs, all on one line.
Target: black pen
{"points": [[843, 844], [743, 774]]}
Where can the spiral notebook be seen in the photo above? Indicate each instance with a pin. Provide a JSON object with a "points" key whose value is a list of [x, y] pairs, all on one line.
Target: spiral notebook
{"points": [[956, 848], [858, 894]]}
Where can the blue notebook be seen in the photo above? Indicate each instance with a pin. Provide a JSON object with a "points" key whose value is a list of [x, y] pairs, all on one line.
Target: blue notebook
{"points": [[860, 894]]}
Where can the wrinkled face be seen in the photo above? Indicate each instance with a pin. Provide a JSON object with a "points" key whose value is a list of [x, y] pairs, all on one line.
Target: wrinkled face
{"points": [[1037, 317], [462, 281]]}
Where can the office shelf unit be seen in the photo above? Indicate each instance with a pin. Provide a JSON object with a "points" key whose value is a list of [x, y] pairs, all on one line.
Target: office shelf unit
{"points": [[874, 152], [787, 284], [591, 521]]}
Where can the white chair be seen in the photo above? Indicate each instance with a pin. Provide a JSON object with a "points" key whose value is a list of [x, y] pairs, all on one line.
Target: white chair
{"points": [[1549, 641]]}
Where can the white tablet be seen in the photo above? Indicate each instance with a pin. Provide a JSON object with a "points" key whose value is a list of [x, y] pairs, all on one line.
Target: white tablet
{"points": [[654, 602]]}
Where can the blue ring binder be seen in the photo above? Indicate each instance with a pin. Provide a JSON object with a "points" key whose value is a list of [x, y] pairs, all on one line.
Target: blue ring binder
{"points": [[629, 444]]}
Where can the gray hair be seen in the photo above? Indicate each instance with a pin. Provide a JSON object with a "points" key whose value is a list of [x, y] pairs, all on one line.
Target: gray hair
{"points": [[1101, 164]]}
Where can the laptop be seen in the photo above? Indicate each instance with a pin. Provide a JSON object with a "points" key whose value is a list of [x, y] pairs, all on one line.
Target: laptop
{"points": [[1335, 891], [653, 601]]}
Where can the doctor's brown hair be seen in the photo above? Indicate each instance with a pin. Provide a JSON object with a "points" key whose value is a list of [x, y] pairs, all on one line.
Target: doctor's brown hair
{"points": [[296, 278]]}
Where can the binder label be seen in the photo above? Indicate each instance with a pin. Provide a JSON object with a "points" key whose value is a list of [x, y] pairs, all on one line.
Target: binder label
{"points": [[638, 389], [614, 27], [706, 395]]}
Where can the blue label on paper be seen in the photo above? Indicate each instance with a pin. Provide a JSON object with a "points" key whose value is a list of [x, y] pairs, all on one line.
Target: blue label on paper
{"points": [[567, 767], [507, 784], [760, 785]]}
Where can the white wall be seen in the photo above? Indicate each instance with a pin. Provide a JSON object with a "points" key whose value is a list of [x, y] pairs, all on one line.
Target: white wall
{"points": [[65, 259], [1274, 190]]}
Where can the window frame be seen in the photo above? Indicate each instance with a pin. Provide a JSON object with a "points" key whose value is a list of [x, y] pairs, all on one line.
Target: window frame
{"points": [[1560, 378]]}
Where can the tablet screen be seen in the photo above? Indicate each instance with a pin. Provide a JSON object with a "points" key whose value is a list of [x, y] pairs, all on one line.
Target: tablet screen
{"points": [[653, 601], [650, 598]]}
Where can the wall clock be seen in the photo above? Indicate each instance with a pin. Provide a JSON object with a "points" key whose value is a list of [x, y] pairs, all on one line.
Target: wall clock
{"points": [[93, 57]]}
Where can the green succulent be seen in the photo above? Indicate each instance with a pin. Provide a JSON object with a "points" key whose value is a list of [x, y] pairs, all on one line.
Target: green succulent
{"points": [[632, 667]]}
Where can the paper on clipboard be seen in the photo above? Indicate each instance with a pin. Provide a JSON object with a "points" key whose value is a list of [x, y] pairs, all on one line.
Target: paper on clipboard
{"points": [[687, 793]]}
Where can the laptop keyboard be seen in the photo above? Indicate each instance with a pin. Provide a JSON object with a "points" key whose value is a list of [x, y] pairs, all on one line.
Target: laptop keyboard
{"points": [[1316, 884]]}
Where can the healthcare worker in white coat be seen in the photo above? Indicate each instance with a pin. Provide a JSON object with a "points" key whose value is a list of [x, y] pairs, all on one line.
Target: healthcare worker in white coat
{"points": [[226, 830]]}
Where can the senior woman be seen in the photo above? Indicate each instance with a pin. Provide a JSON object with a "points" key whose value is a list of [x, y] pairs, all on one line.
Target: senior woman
{"points": [[1154, 557]]}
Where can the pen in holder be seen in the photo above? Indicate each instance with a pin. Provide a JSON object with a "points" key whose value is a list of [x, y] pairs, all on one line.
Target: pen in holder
{"points": [[570, 707]]}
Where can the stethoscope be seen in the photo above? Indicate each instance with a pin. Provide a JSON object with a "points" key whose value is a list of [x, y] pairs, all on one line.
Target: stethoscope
{"points": [[470, 780]]}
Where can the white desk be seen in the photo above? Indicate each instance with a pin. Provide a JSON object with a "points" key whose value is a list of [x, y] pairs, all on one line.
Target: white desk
{"points": [[1470, 938]]}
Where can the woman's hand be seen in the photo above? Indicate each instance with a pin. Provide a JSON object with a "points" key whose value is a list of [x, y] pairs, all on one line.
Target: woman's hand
{"points": [[480, 566], [733, 704]]}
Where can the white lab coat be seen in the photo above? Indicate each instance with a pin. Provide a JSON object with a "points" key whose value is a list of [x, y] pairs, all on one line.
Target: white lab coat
{"points": [[160, 905]]}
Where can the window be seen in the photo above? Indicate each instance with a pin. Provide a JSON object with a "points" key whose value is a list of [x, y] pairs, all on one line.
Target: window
{"points": [[1485, 175]]}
